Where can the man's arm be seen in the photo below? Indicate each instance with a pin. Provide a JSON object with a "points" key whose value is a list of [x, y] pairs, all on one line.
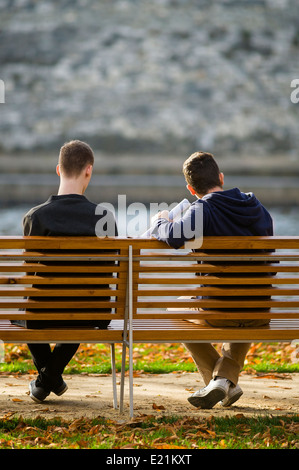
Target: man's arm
{"points": [[177, 233]]}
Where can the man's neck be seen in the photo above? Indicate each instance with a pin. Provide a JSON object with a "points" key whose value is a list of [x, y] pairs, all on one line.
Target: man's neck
{"points": [[213, 190], [70, 187]]}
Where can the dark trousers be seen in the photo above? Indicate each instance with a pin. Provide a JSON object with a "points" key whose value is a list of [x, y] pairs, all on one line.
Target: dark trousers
{"points": [[50, 364]]}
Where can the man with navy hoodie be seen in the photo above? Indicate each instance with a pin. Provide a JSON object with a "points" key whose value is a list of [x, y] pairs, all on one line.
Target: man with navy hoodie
{"points": [[224, 213]]}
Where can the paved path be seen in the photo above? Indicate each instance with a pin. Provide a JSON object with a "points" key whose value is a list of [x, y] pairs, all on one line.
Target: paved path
{"points": [[166, 394]]}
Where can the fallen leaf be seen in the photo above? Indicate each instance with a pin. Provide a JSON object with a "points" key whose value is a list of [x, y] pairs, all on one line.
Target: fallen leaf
{"points": [[158, 407], [169, 446], [223, 443], [42, 440], [82, 443], [272, 376]]}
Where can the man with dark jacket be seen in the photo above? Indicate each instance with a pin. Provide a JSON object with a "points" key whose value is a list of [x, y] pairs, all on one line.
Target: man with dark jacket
{"points": [[224, 213], [69, 213]]}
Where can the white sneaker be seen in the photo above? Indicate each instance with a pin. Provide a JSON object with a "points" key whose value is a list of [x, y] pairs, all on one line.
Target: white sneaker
{"points": [[233, 394], [208, 396]]}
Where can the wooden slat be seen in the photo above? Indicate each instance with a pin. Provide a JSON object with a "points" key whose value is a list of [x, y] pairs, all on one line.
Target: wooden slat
{"points": [[56, 256], [29, 303], [220, 257], [61, 243], [65, 243], [57, 315], [175, 313], [154, 331], [12, 333], [43, 268], [211, 303], [183, 331], [216, 291], [40, 280], [59, 292], [210, 268], [198, 280]]}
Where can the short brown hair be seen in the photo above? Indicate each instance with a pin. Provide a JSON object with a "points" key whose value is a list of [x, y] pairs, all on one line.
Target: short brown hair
{"points": [[201, 172], [74, 156]]}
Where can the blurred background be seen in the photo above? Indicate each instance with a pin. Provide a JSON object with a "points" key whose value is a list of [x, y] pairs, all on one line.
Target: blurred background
{"points": [[147, 83]]}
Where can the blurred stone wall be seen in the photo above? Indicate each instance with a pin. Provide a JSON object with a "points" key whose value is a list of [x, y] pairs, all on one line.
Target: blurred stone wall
{"points": [[150, 76]]}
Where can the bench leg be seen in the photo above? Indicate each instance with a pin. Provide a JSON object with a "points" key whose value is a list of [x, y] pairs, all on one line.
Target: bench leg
{"points": [[122, 378], [128, 341], [131, 378], [112, 347], [130, 295]]}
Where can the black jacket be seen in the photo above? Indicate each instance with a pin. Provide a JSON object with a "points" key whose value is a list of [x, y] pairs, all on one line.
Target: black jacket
{"points": [[67, 215]]}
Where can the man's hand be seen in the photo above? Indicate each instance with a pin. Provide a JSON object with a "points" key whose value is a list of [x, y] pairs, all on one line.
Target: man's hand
{"points": [[161, 215]]}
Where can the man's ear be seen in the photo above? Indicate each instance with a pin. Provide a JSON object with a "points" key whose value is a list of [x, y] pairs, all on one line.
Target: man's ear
{"points": [[191, 190], [88, 170], [58, 170], [221, 179]]}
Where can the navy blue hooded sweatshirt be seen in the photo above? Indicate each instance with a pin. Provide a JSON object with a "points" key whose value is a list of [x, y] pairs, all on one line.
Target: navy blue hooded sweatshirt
{"points": [[225, 213]]}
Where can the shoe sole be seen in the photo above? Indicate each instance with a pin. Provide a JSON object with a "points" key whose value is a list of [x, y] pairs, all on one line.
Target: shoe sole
{"points": [[33, 397], [232, 399], [61, 392], [209, 400]]}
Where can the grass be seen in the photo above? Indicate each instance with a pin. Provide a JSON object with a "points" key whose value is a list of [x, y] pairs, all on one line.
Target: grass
{"points": [[155, 359], [151, 433]]}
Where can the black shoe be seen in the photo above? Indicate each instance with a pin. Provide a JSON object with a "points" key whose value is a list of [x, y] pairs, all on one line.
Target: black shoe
{"points": [[60, 390], [37, 393]]}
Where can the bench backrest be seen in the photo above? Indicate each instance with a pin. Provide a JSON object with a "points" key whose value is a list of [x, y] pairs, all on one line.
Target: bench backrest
{"points": [[229, 277], [63, 278]]}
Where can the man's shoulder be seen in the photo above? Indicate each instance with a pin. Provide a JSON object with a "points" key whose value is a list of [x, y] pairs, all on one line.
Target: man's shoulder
{"points": [[61, 202], [34, 210]]}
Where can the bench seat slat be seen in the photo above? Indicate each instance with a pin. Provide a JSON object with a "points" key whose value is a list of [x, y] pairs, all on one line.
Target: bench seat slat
{"points": [[184, 331], [168, 331], [14, 334]]}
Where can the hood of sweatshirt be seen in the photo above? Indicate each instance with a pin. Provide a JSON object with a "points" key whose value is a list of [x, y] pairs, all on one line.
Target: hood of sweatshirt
{"points": [[232, 212]]}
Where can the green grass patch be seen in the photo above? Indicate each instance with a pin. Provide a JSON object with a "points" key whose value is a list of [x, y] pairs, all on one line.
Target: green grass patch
{"points": [[155, 359], [149, 432]]}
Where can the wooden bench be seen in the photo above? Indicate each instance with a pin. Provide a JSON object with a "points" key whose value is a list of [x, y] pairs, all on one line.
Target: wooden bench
{"points": [[249, 277], [60, 279]]}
